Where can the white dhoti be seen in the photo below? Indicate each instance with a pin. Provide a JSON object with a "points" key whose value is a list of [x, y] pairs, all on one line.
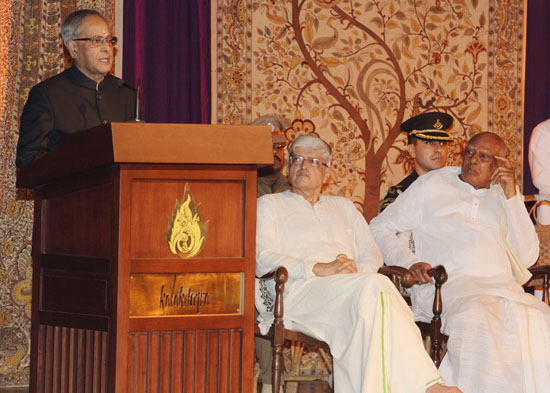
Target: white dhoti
{"points": [[374, 341], [484, 331], [498, 334]]}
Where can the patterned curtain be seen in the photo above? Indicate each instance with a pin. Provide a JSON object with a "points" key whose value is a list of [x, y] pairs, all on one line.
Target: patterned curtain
{"points": [[31, 49], [352, 71]]}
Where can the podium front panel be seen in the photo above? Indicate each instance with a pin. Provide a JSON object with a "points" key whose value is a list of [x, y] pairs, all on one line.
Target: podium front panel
{"points": [[96, 230], [206, 347]]}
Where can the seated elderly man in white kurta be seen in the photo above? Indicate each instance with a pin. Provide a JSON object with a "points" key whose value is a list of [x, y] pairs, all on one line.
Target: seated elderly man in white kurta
{"points": [[333, 292], [473, 221]]}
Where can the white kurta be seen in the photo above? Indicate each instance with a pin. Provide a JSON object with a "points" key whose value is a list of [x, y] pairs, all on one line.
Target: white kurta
{"points": [[499, 335], [539, 161], [375, 344]]}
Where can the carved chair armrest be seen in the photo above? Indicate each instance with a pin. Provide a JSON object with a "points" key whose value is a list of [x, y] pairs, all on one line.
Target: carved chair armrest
{"points": [[280, 276], [403, 276], [398, 275], [544, 272], [439, 274], [540, 270], [268, 276]]}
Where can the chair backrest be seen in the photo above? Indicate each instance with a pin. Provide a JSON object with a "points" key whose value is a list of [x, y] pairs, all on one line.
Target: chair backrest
{"points": [[541, 269]]}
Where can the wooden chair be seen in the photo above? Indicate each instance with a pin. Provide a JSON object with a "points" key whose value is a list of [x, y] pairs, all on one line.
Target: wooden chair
{"points": [[541, 272], [401, 277]]}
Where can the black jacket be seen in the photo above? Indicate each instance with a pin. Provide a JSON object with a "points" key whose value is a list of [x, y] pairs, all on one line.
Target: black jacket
{"points": [[66, 103]]}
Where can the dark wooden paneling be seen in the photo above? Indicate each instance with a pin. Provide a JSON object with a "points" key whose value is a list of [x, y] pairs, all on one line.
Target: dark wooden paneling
{"points": [[205, 361], [76, 264], [77, 321], [78, 223], [75, 360], [73, 295]]}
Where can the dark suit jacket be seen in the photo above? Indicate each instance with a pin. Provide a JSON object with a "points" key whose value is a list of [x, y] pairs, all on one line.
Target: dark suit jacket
{"points": [[66, 103]]}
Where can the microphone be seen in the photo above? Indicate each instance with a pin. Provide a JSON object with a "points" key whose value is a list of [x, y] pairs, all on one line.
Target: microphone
{"points": [[138, 114]]}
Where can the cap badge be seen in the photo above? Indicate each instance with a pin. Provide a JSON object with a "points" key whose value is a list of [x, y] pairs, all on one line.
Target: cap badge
{"points": [[438, 125]]}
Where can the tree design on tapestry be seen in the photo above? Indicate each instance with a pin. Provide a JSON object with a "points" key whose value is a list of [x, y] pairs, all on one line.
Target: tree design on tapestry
{"points": [[360, 68]]}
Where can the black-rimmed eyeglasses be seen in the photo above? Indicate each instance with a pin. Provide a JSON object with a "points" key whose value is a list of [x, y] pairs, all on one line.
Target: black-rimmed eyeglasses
{"points": [[98, 40]]}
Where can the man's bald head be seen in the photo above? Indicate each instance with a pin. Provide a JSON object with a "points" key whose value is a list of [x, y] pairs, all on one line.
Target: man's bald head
{"points": [[479, 159], [494, 139]]}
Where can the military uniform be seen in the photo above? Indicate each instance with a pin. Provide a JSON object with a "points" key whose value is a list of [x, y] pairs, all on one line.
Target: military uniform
{"points": [[395, 191]]}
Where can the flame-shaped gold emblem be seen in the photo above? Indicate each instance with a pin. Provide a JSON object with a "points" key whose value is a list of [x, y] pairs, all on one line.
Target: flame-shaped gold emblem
{"points": [[438, 125], [186, 235]]}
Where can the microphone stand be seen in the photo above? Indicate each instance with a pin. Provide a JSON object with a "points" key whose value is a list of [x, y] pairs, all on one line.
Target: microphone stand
{"points": [[137, 119]]}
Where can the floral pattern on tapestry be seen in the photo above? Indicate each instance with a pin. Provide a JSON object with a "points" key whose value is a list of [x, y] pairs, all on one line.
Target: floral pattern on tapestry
{"points": [[358, 69]]}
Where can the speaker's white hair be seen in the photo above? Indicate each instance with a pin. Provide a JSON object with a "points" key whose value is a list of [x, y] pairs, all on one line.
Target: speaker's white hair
{"points": [[72, 23]]}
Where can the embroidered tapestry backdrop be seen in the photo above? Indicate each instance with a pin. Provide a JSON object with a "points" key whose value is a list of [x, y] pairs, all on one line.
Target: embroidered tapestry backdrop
{"points": [[352, 71], [31, 49]]}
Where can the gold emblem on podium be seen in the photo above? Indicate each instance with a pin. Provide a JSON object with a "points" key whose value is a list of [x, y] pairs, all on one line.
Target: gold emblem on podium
{"points": [[186, 235]]}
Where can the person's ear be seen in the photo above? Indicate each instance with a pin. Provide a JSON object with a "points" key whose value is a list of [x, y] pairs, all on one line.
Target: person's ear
{"points": [[326, 175], [412, 149], [71, 47]]}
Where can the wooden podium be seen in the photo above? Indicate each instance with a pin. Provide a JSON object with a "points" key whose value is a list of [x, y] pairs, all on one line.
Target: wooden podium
{"points": [[135, 287]]}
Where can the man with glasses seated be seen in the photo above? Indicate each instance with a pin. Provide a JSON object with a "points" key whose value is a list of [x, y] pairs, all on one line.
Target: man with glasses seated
{"points": [[333, 292], [472, 220], [82, 96]]}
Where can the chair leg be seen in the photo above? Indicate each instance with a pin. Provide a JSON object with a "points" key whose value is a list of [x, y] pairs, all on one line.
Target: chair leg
{"points": [[435, 351], [277, 369], [545, 290], [281, 276], [440, 276]]}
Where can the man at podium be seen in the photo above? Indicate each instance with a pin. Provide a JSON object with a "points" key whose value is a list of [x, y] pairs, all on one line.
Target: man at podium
{"points": [[82, 96]]}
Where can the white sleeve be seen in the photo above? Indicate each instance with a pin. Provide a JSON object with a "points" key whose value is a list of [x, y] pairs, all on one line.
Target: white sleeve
{"points": [[539, 157], [403, 215], [369, 258], [521, 237], [269, 242]]}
